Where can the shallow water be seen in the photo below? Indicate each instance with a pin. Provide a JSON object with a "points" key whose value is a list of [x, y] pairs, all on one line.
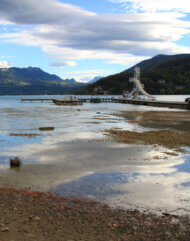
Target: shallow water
{"points": [[76, 159]]}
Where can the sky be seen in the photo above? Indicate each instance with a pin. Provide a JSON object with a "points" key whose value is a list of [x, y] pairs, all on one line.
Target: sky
{"points": [[82, 39]]}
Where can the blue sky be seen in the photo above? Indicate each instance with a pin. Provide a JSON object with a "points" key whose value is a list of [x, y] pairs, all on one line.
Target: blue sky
{"points": [[82, 39]]}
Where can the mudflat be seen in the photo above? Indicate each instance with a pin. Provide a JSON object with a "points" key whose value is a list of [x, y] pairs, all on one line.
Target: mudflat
{"points": [[178, 120], [29, 216], [172, 129]]}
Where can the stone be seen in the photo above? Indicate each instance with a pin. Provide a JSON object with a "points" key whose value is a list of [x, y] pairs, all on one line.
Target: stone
{"points": [[5, 229], [16, 162]]}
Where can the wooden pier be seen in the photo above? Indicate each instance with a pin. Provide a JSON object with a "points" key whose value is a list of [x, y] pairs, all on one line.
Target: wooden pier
{"points": [[155, 103], [36, 100], [159, 103], [68, 102]]}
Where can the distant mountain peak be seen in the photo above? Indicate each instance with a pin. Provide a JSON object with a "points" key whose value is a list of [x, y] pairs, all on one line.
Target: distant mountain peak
{"points": [[152, 63], [34, 68], [158, 56], [161, 74], [33, 80]]}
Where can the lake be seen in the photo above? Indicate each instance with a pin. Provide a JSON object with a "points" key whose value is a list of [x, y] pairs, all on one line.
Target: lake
{"points": [[77, 159]]}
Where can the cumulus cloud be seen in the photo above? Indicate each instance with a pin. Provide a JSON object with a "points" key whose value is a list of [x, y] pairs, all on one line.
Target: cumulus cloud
{"points": [[63, 63], [46, 12], [4, 22], [69, 32], [154, 6], [127, 60], [90, 71], [4, 64]]}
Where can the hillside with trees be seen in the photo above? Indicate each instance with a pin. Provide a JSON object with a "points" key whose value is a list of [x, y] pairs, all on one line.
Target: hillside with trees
{"points": [[34, 81], [162, 74]]}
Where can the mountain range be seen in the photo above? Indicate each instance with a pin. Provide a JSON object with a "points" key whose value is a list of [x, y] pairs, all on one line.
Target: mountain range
{"points": [[34, 81], [153, 63], [162, 74]]}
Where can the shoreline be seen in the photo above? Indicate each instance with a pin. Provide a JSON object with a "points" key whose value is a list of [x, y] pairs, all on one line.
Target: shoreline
{"points": [[27, 215]]}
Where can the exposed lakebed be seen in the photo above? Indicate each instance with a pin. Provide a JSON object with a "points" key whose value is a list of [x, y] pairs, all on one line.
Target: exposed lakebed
{"points": [[76, 158]]}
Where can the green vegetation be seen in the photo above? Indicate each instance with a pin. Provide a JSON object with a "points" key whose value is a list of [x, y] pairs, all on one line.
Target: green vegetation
{"points": [[34, 81], [160, 75]]}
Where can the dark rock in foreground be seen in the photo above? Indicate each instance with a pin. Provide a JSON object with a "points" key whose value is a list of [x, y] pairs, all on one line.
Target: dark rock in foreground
{"points": [[16, 162]]}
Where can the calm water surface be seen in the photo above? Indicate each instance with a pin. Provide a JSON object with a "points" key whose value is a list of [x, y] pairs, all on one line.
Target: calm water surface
{"points": [[76, 159]]}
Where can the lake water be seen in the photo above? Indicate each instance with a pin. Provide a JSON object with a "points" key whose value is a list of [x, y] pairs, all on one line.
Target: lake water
{"points": [[77, 159]]}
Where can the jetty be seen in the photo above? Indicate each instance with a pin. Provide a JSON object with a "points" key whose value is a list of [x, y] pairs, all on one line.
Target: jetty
{"points": [[155, 103], [36, 100], [138, 96], [80, 101]]}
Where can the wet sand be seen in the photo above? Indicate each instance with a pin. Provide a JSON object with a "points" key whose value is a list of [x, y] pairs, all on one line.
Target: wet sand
{"points": [[172, 129], [38, 216], [29, 215]]}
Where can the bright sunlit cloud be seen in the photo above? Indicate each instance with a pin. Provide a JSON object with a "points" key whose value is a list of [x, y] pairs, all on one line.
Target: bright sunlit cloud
{"points": [[155, 6], [68, 33], [4, 64]]}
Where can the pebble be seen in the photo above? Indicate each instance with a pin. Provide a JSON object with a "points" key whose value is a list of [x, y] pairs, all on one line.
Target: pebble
{"points": [[5, 229], [133, 219], [175, 221], [134, 228], [168, 233]]}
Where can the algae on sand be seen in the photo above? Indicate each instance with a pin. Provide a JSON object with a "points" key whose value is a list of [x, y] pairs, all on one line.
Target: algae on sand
{"points": [[167, 138], [48, 128], [179, 120]]}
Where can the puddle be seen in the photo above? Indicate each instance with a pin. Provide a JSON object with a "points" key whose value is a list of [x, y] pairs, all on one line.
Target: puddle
{"points": [[75, 158]]}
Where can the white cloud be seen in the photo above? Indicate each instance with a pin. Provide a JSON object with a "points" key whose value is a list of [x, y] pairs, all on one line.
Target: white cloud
{"points": [[155, 6], [63, 63], [4, 64], [127, 60], [4, 22], [82, 72], [26, 12], [70, 33]]}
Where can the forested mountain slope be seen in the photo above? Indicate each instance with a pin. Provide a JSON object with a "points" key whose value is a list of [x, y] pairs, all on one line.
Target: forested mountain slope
{"points": [[17, 81], [171, 75]]}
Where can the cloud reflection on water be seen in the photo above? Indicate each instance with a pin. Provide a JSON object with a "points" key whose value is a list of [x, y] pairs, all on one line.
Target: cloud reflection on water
{"points": [[118, 174], [74, 160]]}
